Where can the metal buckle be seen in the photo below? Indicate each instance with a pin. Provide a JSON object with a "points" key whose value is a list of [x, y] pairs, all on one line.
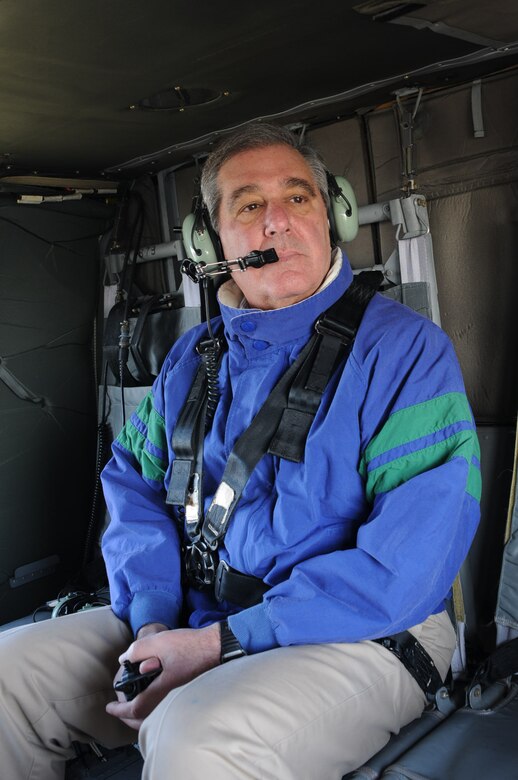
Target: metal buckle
{"points": [[200, 564], [218, 514], [192, 501]]}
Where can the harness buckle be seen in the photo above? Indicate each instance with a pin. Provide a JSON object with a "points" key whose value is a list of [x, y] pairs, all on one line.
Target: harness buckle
{"points": [[218, 514], [200, 564]]}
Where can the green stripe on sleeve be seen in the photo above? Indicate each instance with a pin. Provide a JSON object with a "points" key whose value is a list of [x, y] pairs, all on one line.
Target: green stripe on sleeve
{"points": [[415, 422], [156, 430], [134, 441], [390, 475]]}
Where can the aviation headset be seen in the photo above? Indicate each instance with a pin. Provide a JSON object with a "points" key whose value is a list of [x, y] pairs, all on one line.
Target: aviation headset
{"points": [[202, 243]]}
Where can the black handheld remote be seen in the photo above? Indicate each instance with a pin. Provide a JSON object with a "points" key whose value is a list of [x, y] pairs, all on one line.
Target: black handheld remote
{"points": [[132, 682]]}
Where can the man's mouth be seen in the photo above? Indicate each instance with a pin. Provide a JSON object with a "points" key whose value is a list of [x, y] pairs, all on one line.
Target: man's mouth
{"points": [[289, 254]]}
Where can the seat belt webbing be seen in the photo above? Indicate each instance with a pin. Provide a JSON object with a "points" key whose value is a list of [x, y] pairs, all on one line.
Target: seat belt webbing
{"points": [[338, 327], [247, 452]]}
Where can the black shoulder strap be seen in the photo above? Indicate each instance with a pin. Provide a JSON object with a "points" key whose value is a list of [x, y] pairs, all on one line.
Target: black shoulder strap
{"points": [[337, 328], [185, 486], [247, 452]]}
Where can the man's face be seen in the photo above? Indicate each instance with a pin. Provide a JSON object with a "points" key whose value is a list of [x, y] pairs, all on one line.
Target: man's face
{"points": [[269, 198]]}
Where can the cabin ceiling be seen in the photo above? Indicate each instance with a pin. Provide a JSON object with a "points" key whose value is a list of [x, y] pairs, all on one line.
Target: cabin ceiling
{"points": [[78, 77]]}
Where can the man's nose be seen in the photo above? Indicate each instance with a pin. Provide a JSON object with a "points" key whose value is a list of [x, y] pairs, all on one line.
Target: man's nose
{"points": [[276, 219]]}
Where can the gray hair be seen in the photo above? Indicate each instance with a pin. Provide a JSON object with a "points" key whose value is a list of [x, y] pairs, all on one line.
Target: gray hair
{"points": [[255, 136]]}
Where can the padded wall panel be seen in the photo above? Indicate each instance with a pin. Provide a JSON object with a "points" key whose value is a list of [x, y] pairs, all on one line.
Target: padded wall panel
{"points": [[342, 146], [477, 275], [471, 184], [49, 281]]}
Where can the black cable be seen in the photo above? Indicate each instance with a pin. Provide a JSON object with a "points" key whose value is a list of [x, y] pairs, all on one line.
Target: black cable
{"points": [[210, 357], [42, 608], [133, 265], [123, 288], [205, 286], [103, 435], [57, 242]]}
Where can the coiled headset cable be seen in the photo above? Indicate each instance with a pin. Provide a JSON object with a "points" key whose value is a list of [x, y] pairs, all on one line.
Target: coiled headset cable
{"points": [[210, 352]]}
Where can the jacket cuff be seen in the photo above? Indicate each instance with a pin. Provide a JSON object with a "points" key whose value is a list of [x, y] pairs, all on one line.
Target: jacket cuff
{"points": [[153, 606], [253, 629]]}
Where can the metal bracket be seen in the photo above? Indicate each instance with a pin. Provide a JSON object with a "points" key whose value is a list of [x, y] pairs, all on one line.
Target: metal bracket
{"points": [[410, 215], [444, 702], [406, 123]]}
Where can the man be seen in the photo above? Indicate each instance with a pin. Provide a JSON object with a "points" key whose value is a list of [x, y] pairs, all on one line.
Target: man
{"points": [[360, 540]]}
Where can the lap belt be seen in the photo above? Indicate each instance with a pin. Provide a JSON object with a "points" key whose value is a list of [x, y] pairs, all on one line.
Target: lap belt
{"points": [[246, 591], [243, 590], [415, 659]]}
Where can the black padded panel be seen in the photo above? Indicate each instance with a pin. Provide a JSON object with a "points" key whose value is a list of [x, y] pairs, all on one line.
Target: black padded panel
{"points": [[397, 745], [49, 282], [470, 744]]}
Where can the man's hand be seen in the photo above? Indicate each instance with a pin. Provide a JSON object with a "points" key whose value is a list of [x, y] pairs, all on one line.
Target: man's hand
{"points": [[149, 629], [182, 654]]}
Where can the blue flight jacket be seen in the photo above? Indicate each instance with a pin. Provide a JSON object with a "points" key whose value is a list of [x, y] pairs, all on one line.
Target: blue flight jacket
{"points": [[360, 540]]}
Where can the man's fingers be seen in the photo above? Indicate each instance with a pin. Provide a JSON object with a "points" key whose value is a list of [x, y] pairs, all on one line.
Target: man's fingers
{"points": [[135, 711], [150, 665], [178, 656], [140, 650], [144, 702], [119, 710]]}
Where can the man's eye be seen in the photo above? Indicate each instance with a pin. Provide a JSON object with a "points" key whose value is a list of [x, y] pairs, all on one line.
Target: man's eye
{"points": [[250, 207], [299, 198]]}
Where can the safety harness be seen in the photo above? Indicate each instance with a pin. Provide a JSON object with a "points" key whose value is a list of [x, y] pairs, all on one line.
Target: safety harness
{"points": [[279, 428]]}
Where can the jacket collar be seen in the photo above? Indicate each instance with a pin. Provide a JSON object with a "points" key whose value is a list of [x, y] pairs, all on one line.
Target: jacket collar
{"points": [[264, 330]]}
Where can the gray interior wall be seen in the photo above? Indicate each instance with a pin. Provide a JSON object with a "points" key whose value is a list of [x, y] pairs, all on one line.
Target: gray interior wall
{"points": [[343, 146], [471, 185]]}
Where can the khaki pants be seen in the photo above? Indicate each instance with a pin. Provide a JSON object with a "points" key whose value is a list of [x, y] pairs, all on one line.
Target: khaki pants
{"points": [[295, 713]]}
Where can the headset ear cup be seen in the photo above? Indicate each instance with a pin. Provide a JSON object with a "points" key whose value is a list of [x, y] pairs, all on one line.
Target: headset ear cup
{"points": [[198, 241], [344, 211]]}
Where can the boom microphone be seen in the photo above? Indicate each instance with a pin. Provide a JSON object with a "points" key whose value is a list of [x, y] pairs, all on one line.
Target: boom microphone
{"points": [[200, 270]]}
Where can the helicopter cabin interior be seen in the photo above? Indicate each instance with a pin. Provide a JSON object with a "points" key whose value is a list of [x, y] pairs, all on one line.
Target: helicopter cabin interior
{"points": [[109, 111]]}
